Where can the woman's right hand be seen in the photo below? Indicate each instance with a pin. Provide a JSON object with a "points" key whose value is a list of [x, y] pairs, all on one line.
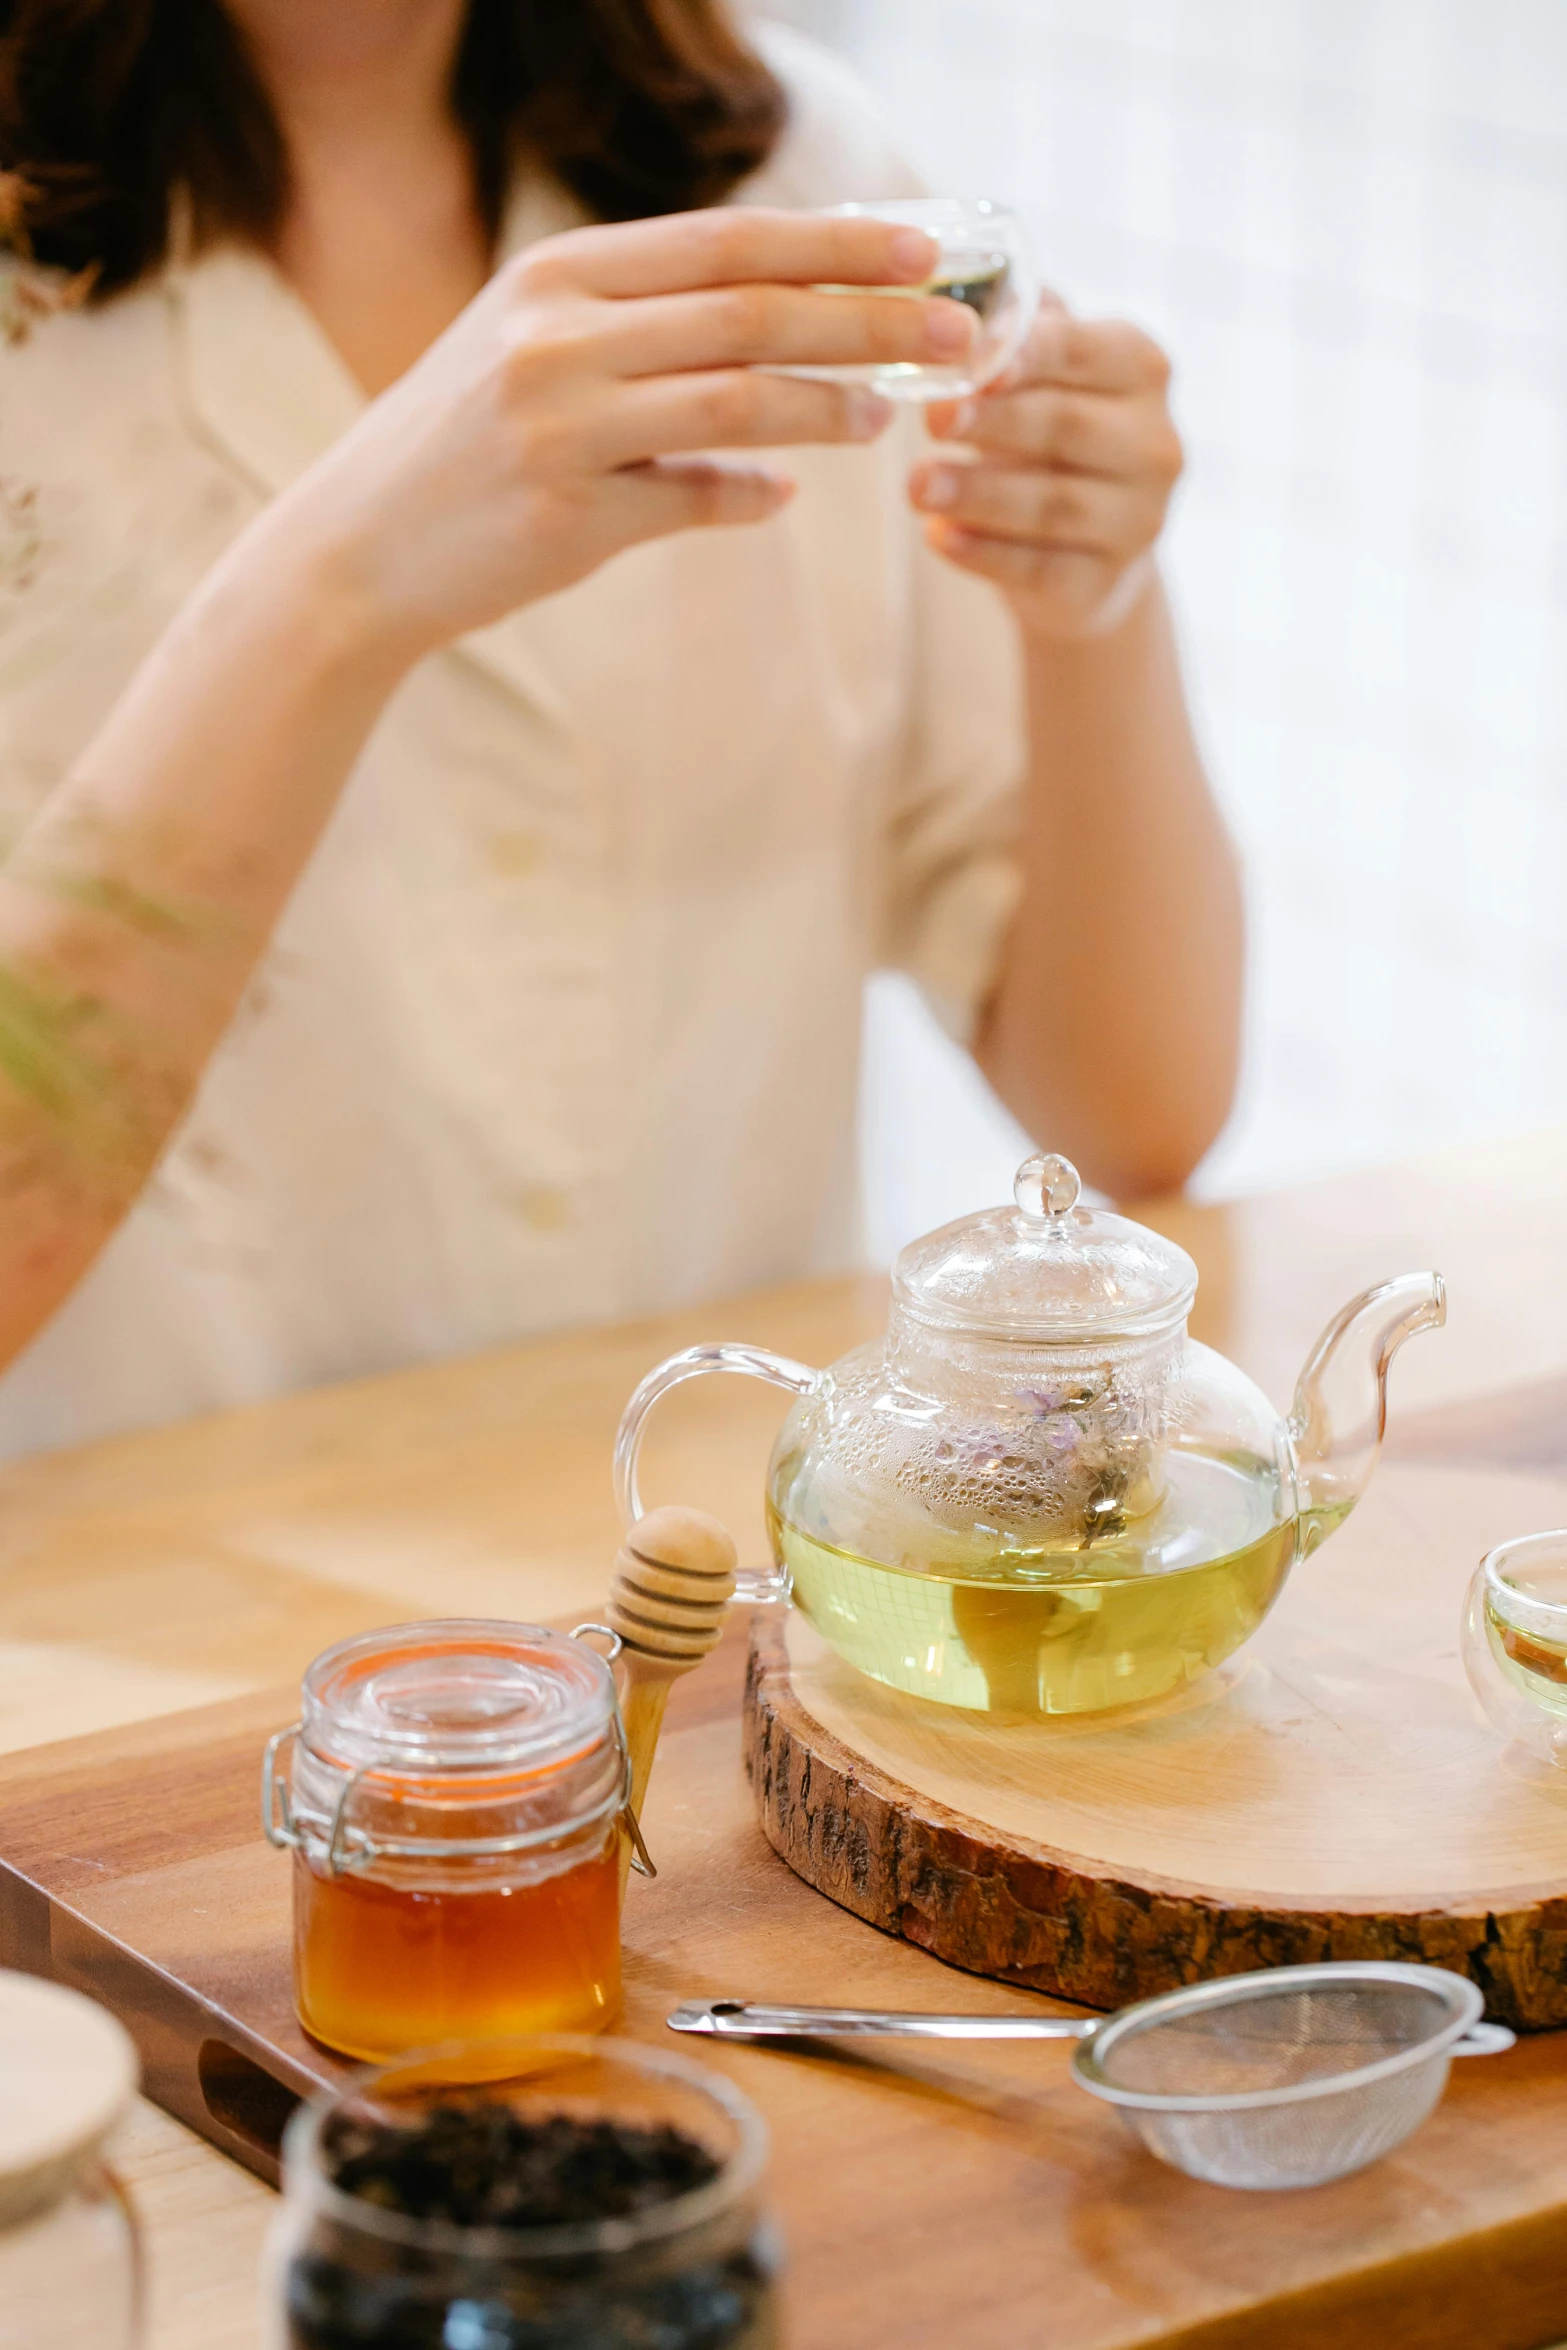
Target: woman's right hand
{"points": [[554, 424], [557, 421]]}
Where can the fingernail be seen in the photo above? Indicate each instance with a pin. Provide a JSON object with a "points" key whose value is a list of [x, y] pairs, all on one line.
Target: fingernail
{"points": [[967, 416], [939, 488], [868, 414], [913, 252], [948, 326]]}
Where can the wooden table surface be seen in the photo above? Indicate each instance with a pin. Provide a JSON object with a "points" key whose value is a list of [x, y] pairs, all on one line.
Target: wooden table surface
{"points": [[152, 1574]]}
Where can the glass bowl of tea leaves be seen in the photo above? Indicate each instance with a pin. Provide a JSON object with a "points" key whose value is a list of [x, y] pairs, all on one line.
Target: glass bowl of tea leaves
{"points": [[601, 2196]]}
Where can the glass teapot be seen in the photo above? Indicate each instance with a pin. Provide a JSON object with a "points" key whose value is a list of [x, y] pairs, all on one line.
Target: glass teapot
{"points": [[1037, 1494]]}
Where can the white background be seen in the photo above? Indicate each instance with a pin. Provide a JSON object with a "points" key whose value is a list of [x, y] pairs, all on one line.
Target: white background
{"points": [[1347, 219]]}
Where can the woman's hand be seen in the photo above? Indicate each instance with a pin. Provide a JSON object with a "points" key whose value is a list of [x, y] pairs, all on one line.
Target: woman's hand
{"points": [[557, 421], [1074, 460], [1115, 1040]]}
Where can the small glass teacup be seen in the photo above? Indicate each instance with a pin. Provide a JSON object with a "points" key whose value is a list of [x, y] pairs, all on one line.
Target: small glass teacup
{"points": [[983, 261], [1515, 1642]]}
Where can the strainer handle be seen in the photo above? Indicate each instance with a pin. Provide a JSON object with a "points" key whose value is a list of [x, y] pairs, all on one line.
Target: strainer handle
{"points": [[736, 2019], [1483, 2040]]}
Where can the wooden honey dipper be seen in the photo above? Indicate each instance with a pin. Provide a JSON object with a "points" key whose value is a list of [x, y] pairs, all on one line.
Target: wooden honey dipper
{"points": [[673, 1579]]}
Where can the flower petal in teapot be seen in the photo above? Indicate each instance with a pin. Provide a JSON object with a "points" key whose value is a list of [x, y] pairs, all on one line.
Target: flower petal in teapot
{"points": [[1038, 1495]]}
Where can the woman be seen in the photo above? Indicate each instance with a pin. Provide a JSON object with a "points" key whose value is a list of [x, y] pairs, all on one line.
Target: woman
{"points": [[356, 527]]}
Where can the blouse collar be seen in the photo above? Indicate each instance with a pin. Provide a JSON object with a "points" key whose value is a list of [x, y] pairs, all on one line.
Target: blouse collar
{"points": [[265, 387], [262, 378]]}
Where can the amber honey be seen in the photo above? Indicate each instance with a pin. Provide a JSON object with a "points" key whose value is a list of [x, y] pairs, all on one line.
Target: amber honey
{"points": [[381, 1968], [453, 1803]]}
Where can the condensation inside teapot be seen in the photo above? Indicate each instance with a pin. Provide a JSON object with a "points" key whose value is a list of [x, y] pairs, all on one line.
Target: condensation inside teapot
{"points": [[1039, 1496]]}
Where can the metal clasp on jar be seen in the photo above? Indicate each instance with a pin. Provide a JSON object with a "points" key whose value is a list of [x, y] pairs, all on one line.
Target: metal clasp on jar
{"points": [[346, 1847]]}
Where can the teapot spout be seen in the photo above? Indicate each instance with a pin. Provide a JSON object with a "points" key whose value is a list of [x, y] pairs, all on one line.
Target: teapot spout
{"points": [[1341, 1402]]}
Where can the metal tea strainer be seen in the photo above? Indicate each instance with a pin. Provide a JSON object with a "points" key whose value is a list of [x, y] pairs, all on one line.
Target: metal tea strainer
{"points": [[1286, 2078]]}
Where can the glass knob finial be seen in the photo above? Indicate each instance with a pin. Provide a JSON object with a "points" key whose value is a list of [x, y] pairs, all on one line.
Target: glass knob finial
{"points": [[1046, 1186]]}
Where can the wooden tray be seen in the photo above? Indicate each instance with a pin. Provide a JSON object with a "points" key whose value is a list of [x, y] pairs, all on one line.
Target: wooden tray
{"points": [[931, 2198], [1334, 1793]]}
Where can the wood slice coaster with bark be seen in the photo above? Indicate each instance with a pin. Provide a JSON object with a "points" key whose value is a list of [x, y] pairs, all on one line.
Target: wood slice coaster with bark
{"points": [[1334, 1792]]}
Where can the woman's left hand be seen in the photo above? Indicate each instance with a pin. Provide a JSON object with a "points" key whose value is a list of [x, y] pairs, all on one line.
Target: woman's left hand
{"points": [[1074, 458]]}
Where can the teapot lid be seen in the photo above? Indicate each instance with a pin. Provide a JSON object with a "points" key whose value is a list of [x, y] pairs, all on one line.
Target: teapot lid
{"points": [[1046, 1270]]}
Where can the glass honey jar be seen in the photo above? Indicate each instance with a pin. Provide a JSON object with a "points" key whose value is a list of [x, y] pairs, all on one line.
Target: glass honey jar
{"points": [[452, 1796]]}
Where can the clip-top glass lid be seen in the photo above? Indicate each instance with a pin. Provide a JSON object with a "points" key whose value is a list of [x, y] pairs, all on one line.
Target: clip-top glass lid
{"points": [[458, 1695], [1046, 1270]]}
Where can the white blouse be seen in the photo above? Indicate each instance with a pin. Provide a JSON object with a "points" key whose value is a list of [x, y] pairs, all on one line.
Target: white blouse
{"points": [[562, 1023]]}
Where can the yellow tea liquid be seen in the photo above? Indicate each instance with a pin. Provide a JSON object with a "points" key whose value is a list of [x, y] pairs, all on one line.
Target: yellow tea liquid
{"points": [[978, 285], [379, 1969], [1533, 1662], [979, 281], [1058, 1631]]}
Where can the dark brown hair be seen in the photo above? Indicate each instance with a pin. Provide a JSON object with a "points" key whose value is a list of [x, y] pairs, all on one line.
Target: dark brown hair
{"points": [[111, 108]]}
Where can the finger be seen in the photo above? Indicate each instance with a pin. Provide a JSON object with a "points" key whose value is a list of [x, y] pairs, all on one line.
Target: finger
{"points": [[1121, 439], [941, 415], [1088, 354], [695, 493], [654, 501], [728, 246], [1038, 508], [1069, 576], [727, 408], [779, 325]]}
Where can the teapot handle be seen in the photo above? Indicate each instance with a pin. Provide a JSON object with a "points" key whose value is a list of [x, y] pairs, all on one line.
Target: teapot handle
{"points": [[752, 1588]]}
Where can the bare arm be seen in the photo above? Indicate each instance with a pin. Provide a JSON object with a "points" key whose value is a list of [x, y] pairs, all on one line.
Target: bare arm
{"points": [[1115, 1026], [133, 909], [1114, 1031], [552, 426]]}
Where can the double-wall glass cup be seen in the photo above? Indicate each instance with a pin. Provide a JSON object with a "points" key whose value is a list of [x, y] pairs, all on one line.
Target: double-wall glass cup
{"points": [[1515, 1642], [983, 262], [695, 2272]]}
